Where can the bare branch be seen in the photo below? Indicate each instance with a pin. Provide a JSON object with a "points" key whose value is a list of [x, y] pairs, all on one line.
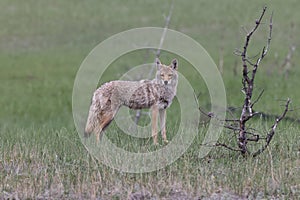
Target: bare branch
{"points": [[273, 128], [227, 147], [196, 99], [157, 54], [218, 144], [237, 52], [167, 22], [259, 96], [265, 48], [234, 128], [248, 83], [238, 126], [257, 23]]}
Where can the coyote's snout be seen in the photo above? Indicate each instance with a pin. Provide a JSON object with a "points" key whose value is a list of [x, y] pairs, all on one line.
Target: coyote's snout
{"points": [[156, 94]]}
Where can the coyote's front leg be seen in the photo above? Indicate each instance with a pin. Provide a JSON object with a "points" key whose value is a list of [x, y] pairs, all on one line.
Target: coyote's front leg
{"points": [[154, 110], [163, 116]]}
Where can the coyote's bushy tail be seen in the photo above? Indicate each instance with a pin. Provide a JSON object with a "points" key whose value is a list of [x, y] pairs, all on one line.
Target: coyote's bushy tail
{"points": [[92, 120], [89, 128]]}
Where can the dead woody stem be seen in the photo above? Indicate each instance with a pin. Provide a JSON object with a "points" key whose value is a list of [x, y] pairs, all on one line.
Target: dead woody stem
{"points": [[239, 126], [248, 85]]}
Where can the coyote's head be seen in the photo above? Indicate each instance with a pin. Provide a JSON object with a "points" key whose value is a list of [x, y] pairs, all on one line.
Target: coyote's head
{"points": [[167, 75]]}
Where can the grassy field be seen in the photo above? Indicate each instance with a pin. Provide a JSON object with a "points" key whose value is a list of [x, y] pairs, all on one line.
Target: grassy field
{"points": [[43, 43]]}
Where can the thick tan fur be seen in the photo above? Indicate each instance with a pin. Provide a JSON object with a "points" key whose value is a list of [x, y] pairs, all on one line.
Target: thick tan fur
{"points": [[156, 94]]}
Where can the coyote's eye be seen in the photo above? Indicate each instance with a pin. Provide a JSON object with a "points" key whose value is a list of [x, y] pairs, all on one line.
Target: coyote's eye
{"points": [[170, 75]]}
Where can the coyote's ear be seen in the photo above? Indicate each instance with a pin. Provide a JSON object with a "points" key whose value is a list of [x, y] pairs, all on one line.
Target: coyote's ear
{"points": [[174, 64], [158, 63]]}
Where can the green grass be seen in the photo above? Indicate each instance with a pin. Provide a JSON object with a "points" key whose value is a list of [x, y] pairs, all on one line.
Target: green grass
{"points": [[42, 45]]}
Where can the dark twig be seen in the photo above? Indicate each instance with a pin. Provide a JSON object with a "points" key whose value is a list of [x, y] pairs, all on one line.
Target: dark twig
{"points": [[227, 147], [272, 131], [259, 96], [218, 144]]}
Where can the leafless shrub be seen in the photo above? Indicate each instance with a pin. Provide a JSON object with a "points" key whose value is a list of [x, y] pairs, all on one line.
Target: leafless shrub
{"points": [[239, 126]]}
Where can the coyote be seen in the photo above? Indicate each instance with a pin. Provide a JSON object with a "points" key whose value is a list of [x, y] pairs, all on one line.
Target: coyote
{"points": [[156, 94]]}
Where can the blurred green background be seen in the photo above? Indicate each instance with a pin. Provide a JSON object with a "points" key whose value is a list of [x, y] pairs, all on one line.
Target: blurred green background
{"points": [[42, 44]]}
